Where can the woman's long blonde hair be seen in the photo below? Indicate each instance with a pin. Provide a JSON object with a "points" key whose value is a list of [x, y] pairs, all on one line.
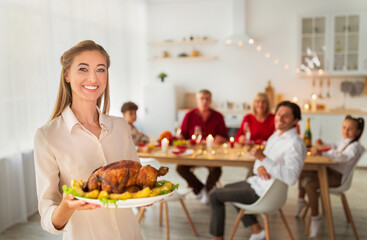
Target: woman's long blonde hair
{"points": [[261, 96], [64, 96]]}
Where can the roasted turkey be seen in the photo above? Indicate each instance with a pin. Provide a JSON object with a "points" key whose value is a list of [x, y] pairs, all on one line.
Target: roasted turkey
{"points": [[121, 176]]}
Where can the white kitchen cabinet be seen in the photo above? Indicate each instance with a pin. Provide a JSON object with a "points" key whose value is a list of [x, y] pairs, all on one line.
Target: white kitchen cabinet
{"points": [[337, 39], [314, 33]]}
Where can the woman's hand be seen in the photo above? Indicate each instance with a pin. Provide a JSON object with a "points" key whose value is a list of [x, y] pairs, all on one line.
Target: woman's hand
{"points": [[68, 205], [242, 139], [263, 173], [257, 153], [75, 204]]}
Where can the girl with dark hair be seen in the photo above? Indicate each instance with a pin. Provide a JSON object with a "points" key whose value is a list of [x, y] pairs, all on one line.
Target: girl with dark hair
{"points": [[347, 153]]}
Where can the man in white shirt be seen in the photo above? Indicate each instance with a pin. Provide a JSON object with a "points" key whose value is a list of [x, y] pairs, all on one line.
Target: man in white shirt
{"points": [[282, 159]]}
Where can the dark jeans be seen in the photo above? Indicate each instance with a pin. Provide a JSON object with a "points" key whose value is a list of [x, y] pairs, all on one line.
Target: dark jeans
{"points": [[240, 192], [194, 182]]}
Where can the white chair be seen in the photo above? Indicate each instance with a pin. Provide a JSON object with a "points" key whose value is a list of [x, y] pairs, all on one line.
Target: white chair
{"points": [[273, 200], [178, 195], [339, 191]]}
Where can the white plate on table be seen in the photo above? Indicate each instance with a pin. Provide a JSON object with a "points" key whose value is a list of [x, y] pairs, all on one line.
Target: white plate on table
{"points": [[130, 203], [186, 152]]}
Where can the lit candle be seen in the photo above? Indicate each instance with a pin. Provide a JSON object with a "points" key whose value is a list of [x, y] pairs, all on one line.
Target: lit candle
{"points": [[193, 139], [295, 100], [306, 107], [314, 102], [164, 144], [231, 142], [209, 141]]}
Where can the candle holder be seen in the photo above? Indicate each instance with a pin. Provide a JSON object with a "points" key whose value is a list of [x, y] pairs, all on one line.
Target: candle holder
{"points": [[209, 142], [231, 142], [193, 140], [164, 144]]}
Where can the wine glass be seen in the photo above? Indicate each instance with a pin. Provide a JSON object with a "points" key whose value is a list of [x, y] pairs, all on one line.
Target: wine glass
{"points": [[198, 133], [247, 132]]}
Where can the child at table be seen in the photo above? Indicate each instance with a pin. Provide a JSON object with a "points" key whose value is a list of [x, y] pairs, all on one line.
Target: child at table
{"points": [[128, 111], [346, 152]]}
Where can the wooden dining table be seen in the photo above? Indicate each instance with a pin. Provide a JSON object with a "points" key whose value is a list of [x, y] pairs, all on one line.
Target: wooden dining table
{"points": [[238, 157]]}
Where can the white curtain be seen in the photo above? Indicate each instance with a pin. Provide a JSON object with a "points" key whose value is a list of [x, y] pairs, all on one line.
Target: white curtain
{"points": [[34, 34]]}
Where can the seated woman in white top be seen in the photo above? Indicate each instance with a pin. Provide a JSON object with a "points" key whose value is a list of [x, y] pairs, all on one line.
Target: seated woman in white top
{"points": [[346, 153], [78, 139]]}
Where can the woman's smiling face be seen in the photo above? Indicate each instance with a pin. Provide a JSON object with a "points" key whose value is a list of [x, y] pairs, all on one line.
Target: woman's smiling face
{"points": [[87, 76]]}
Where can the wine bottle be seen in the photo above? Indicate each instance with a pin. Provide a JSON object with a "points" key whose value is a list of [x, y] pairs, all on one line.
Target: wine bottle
{"points": [[308, 136]]}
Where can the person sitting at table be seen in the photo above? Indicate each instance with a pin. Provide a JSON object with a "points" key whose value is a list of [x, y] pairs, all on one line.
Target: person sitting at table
{"points": [[128, 111], [259, 123], [208, 121], [346, 152], [282, 159]]}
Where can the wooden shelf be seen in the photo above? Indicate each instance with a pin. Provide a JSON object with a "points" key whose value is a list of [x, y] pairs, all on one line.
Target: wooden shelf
{"points": [[188, 42], [199, 58]]}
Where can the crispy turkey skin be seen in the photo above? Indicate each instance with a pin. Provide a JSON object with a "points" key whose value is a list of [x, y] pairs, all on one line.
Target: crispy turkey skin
{"points": [[124, 175]]}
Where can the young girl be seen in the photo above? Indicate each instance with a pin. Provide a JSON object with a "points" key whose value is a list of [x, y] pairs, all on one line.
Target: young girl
{"points": [[346, 153]]}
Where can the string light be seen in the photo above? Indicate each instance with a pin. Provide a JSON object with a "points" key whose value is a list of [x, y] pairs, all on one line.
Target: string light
{"points": [[259, 48], [286, 66], [251, 41], [267, 55], [240, 43], [229, 41], [276, 61]]}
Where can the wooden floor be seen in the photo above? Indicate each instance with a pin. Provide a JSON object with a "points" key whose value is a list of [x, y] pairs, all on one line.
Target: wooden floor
{"points": [[180, 229]]}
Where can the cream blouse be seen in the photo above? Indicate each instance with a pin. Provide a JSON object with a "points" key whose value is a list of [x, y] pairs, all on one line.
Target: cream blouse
{"points": [[64, 150]]}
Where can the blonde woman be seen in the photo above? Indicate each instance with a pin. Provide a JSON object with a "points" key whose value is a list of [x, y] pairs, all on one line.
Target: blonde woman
{"points": [[78, 139], [259, 124]]}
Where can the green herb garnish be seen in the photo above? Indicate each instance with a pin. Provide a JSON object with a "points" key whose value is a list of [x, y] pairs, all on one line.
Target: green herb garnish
{"points": [[106, 201], [69, 190]]}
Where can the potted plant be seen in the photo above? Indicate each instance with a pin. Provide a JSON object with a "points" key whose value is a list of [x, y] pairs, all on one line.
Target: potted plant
{"points": [[162, 76]]}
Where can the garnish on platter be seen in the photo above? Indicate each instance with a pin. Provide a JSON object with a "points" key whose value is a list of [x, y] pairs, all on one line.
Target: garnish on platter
{"points": [[125, 184]]}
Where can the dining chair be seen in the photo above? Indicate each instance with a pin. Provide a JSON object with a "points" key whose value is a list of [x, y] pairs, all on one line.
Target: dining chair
{"points": [[339, 191], [179, 195], [273, 200]]}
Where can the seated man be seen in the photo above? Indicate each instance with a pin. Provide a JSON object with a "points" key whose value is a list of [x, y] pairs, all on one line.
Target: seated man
{"points": [[128, 111], [282, 159], [208, 122]]}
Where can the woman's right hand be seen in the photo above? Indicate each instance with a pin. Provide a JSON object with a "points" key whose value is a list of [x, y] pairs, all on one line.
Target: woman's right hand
{"points": [[68, 205], [242, 139], [73, 203]]}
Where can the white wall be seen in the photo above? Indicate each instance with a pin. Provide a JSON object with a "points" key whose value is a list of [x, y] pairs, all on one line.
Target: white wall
{"points": [[239, 73]]}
